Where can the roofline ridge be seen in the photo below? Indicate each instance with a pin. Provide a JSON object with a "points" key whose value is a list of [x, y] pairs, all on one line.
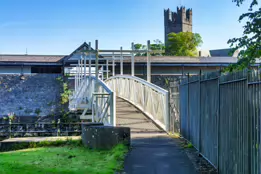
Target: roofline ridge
{"points": [[30, 55]]}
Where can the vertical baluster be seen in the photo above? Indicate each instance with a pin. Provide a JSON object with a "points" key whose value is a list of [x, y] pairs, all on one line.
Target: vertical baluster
{"points": [[121, 62], [132, 60]]}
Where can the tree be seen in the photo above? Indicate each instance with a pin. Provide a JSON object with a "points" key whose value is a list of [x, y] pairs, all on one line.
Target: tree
{"points": [[139, 47], [156, 45], [183, 44], [250, 42]]}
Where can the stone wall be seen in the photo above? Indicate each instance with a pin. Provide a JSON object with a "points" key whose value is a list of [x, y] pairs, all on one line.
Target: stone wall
{"points": [[34, 95], [163, 81]]}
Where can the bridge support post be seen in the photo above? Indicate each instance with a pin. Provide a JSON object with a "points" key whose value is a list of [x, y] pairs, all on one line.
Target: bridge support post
{"points": [[121, 62], [113, 109], [148, 62], [113, 65], [81, 72], [167, 113], [107, 69], [102, 70], [78, 74], [84, 56], [90, 63], [96, 66], [132, 60]]}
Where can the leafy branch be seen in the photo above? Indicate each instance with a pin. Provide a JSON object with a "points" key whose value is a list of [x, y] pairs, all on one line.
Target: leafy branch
{"points": [[250, 42]]}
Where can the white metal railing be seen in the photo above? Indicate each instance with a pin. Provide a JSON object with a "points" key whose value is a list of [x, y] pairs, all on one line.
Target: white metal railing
{"points": [[82, 94], [93, 94], [149, 98], [103, 104]]}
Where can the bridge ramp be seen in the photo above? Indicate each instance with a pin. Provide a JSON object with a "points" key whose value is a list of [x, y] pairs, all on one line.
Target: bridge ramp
{"points": [[128, 115]]}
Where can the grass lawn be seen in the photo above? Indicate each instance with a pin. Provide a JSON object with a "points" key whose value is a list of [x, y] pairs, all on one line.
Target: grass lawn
{"points": [[63, 160]]}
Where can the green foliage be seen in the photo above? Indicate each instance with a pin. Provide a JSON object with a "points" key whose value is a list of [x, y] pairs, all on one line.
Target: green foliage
{"points": [[183, 44], [138, 46], [10, 117], [62, 158], [59, 79], [67, 75], [189, 145], [37, 111], [66, 93], [250, 42], [65, 117], [174, 135], [57, 143], [156, 45], [166, 81]]}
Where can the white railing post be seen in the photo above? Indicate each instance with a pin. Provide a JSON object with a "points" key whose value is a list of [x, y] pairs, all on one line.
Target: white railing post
{"points": [[121, 62], [167, 116], [102, 69], [107, 69], [132, 60], [97, 76], [75, 81], [81, 65], [96, 63], [148, 62], [84, 66], [90, 62], [113, 109], [113, 65], [78, 74]]}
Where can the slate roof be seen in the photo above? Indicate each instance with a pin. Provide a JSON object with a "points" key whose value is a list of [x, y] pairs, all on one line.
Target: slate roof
{"points": [[40, 59], [216, 57], [175, 59], [222, 53], [31, 58]]}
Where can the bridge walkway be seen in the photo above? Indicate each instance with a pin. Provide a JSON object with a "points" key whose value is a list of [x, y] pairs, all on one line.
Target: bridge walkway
{"points": [[128, 115], [153, 151]]}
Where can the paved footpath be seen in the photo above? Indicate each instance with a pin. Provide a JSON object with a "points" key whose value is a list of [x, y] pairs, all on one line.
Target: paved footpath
{"points": [[153, 152]]}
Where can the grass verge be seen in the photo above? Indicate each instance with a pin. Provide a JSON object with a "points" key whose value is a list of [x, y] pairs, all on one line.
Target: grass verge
{"points": [[68, 157]]}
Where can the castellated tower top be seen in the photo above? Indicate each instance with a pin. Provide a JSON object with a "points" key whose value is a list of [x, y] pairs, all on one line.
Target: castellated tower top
{"points": [[180, 21], [182, 15]]}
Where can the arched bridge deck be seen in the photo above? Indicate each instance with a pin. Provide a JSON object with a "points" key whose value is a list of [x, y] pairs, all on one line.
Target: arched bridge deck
{"points": [[127, 115]]}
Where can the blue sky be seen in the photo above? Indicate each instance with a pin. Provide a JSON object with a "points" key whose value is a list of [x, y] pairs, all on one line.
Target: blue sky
{"points": [[59, 26]]}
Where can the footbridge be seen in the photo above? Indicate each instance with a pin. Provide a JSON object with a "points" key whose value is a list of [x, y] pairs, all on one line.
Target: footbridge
{"points": [[118, 99]]}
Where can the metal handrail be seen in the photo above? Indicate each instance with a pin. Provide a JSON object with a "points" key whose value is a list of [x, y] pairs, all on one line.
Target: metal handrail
{"points": [[149, 98], [103, 104], [103, 108], [144, 82], [105, 86]]}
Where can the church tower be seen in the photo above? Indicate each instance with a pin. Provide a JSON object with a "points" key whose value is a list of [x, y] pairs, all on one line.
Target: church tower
{"points": [[175, 22]]}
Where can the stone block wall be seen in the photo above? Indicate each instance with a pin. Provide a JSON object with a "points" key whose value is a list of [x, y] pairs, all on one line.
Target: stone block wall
{"points": [[36, 95], [163, 81]]}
